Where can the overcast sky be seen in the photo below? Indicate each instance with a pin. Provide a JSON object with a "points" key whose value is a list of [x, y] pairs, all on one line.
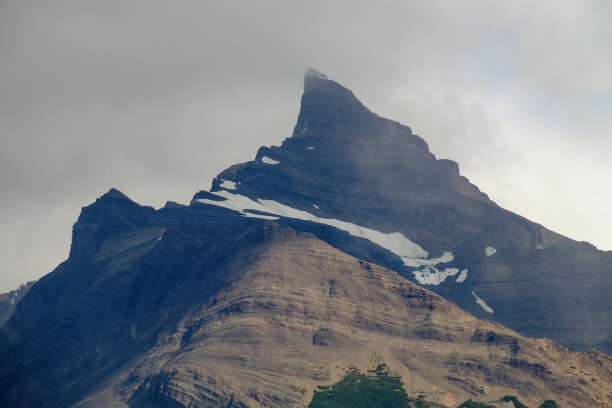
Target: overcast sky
{"points": [[155, 98]]}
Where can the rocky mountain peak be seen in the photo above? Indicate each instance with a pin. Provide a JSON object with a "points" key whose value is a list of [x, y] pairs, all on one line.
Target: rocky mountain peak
{"points": [[116, 203], [326, 103], [114, 194], [313, 72], [111, 213], [345, 164], [303, 262]]}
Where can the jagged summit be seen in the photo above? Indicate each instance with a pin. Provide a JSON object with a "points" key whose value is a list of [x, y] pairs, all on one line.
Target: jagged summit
{"points": [[114, 193], [111, 213], [271, 283], [324, 102], [344, 164], [314, 73]]}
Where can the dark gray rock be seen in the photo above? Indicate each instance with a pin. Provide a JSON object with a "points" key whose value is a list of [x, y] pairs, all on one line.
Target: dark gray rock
{"points": [[358, 167], [134, 273], [8, 301]]}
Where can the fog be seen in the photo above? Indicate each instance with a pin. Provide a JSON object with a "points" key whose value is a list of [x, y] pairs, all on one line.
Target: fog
{"points": [[156, 98]]}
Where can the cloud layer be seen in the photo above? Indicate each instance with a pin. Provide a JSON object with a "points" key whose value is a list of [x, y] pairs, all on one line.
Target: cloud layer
{"points": [[156, 98]]}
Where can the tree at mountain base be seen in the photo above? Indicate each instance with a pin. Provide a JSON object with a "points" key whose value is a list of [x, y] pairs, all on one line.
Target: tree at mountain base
{"points": [[381, 389], [378, 390]]}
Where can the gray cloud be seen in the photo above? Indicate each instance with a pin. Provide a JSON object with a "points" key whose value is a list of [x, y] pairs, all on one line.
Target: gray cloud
{"points": [[156, 98]]}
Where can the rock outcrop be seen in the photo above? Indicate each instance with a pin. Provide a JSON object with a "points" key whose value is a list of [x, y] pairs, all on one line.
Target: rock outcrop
{"points": [[297, 266], [346, 163], [8, 301], [296, 312], [250, 315]]}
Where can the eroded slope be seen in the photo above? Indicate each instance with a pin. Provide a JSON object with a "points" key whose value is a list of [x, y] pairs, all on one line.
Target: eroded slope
{"points": [[295, 312]]}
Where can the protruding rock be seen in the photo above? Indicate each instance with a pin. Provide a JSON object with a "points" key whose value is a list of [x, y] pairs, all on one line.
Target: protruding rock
{"points": [[357, 167], [213, 304], [111, 213]]}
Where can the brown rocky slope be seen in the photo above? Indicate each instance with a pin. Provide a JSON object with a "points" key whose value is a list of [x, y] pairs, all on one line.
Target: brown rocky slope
{"points": [[295, 312], [344, 162]]}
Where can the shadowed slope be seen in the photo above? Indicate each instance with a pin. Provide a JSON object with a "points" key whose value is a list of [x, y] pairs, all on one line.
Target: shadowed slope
{"points": [[295, 312], [346, 163], [209, 305]]}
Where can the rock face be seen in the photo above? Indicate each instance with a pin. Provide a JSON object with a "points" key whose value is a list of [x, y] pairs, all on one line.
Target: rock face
{"points": [[8, 301], [247, 315], [271, 284], [344, 162], [295, 311]]}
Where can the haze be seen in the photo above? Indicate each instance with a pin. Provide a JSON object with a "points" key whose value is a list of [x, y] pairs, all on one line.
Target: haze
{"points": [[155, 98]]}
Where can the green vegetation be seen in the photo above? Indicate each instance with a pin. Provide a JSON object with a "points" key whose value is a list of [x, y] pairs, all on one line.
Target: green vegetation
{"points": [[379, 389], [507, 398], [517, 403], [474, 404], [298, 389]]}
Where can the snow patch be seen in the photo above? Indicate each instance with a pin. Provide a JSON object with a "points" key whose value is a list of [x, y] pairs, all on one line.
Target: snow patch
{"points": [[415, 263], [462, 276], [432, 276], [429, 275], [395, 242], [482, 304], [230, 185], [411, 254], [238, 203], [490, 251], [268, 160], [263, 217]]}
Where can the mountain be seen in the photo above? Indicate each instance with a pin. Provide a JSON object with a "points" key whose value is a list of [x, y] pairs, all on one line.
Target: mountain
{"points": [[247, 314], [8, 301], [344, 162], [303, 263]]}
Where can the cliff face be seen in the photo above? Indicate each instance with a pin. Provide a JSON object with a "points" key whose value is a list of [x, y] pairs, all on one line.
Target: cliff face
{"points": [[247, 315], [9, 301], [129, 277], [274, 282], [295, 312], [345, 163]]}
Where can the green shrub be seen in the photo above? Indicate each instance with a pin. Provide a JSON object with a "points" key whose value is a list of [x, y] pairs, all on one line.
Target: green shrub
{"points": [[517, 403], [474, 404], [356, 390], [380, 389]]}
